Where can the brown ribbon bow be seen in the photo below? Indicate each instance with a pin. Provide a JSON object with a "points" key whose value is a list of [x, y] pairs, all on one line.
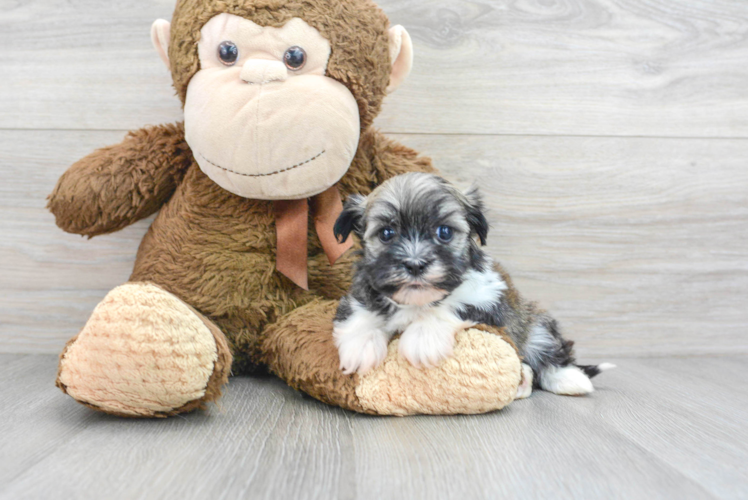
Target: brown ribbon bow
{"points": [[291, 219]]}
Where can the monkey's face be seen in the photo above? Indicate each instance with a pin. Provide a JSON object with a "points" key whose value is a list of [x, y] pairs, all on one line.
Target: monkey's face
{"points": [[276, 94], [262, 119]]}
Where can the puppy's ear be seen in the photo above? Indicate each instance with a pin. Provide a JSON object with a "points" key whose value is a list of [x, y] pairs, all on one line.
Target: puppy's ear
{"points": [[475, 218], [351, 218]]}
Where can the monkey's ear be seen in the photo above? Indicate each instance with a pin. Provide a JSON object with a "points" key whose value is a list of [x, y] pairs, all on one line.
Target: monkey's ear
{"points": [[351, 218], [475, 217], [160, 31], [401, 55]]}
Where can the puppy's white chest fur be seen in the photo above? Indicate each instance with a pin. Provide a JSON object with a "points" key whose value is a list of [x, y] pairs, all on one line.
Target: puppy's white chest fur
{"points": [[429, 331], [480, 290]]}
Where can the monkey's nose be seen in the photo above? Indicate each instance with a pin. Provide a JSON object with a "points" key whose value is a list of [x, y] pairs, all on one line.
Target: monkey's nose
{"points": [[260, 71], [415, 267]]}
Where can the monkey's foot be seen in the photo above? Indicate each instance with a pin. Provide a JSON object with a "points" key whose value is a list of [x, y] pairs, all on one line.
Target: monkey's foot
{"points": [[482, 375], [145, 353]]}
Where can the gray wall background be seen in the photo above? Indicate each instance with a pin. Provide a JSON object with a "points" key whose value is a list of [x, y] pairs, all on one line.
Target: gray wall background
{"points": [[610, 138]]}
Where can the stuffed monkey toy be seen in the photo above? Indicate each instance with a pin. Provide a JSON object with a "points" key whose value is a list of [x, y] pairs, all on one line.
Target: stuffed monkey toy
{"points": [[240, 271]]}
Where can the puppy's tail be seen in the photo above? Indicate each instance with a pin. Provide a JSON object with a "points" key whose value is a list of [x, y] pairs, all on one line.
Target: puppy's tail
{"points": [[592, 370]]}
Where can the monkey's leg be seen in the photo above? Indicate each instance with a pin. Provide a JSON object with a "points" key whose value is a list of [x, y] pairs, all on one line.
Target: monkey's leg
{"points": [[145, 353], [482, 375]]}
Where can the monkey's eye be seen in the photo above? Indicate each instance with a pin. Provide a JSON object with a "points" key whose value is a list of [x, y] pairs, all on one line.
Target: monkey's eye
{"points": [[295, 58], [386, 234], [445, 234], [228, 53]]}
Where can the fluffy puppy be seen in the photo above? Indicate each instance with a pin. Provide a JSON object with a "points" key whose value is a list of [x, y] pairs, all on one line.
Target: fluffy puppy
{"points": [[422, 273]]}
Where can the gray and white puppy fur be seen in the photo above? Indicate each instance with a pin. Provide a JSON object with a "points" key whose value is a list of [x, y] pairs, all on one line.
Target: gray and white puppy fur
{"points": [[422, 273]]}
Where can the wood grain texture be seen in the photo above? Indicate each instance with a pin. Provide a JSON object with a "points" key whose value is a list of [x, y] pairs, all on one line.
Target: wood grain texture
{"points": [[655, 428], [83, 65], [638, 246], [43, 299], [557, 67]]}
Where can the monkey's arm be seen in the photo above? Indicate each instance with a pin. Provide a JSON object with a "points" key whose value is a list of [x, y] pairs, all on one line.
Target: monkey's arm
{"points": [[115, 186]]}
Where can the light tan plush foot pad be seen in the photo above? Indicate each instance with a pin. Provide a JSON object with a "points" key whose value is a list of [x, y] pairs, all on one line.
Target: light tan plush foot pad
{"points": [[481, 376], [146, 353]]}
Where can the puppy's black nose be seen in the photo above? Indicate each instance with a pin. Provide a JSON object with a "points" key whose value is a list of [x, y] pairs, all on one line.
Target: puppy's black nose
{"points": [[415, 267]]}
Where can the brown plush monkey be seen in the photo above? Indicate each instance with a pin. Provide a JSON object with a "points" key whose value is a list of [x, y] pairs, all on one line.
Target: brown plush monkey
{"points": [[279, 99]]}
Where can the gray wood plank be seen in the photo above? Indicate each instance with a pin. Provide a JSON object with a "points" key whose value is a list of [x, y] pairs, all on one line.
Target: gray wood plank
{"points": [[578, 67], [690, 413], [539, 448], [655, 428], [638, 246], [42, 301], [263, 441], [575, 67], [36, 419], [83, 65]]}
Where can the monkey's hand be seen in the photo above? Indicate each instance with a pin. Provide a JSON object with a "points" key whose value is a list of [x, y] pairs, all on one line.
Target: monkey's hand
{"points": [[116, 186]]}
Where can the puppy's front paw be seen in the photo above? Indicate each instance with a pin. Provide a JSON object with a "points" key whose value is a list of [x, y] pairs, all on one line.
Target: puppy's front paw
{"points": [[361, 350], [426, 343]]}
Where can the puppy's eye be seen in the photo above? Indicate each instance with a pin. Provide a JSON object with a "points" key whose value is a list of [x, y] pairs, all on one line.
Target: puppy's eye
{"points": [[386, 234], [444, 233], [295, 58], [228, 53]]}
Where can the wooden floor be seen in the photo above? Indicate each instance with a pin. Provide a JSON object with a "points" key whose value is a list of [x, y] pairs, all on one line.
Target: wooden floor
{"points": [[655, 428]]}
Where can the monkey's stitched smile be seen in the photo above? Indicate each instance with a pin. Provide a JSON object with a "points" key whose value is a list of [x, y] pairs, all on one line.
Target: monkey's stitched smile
{"points": [[269, 173]]}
